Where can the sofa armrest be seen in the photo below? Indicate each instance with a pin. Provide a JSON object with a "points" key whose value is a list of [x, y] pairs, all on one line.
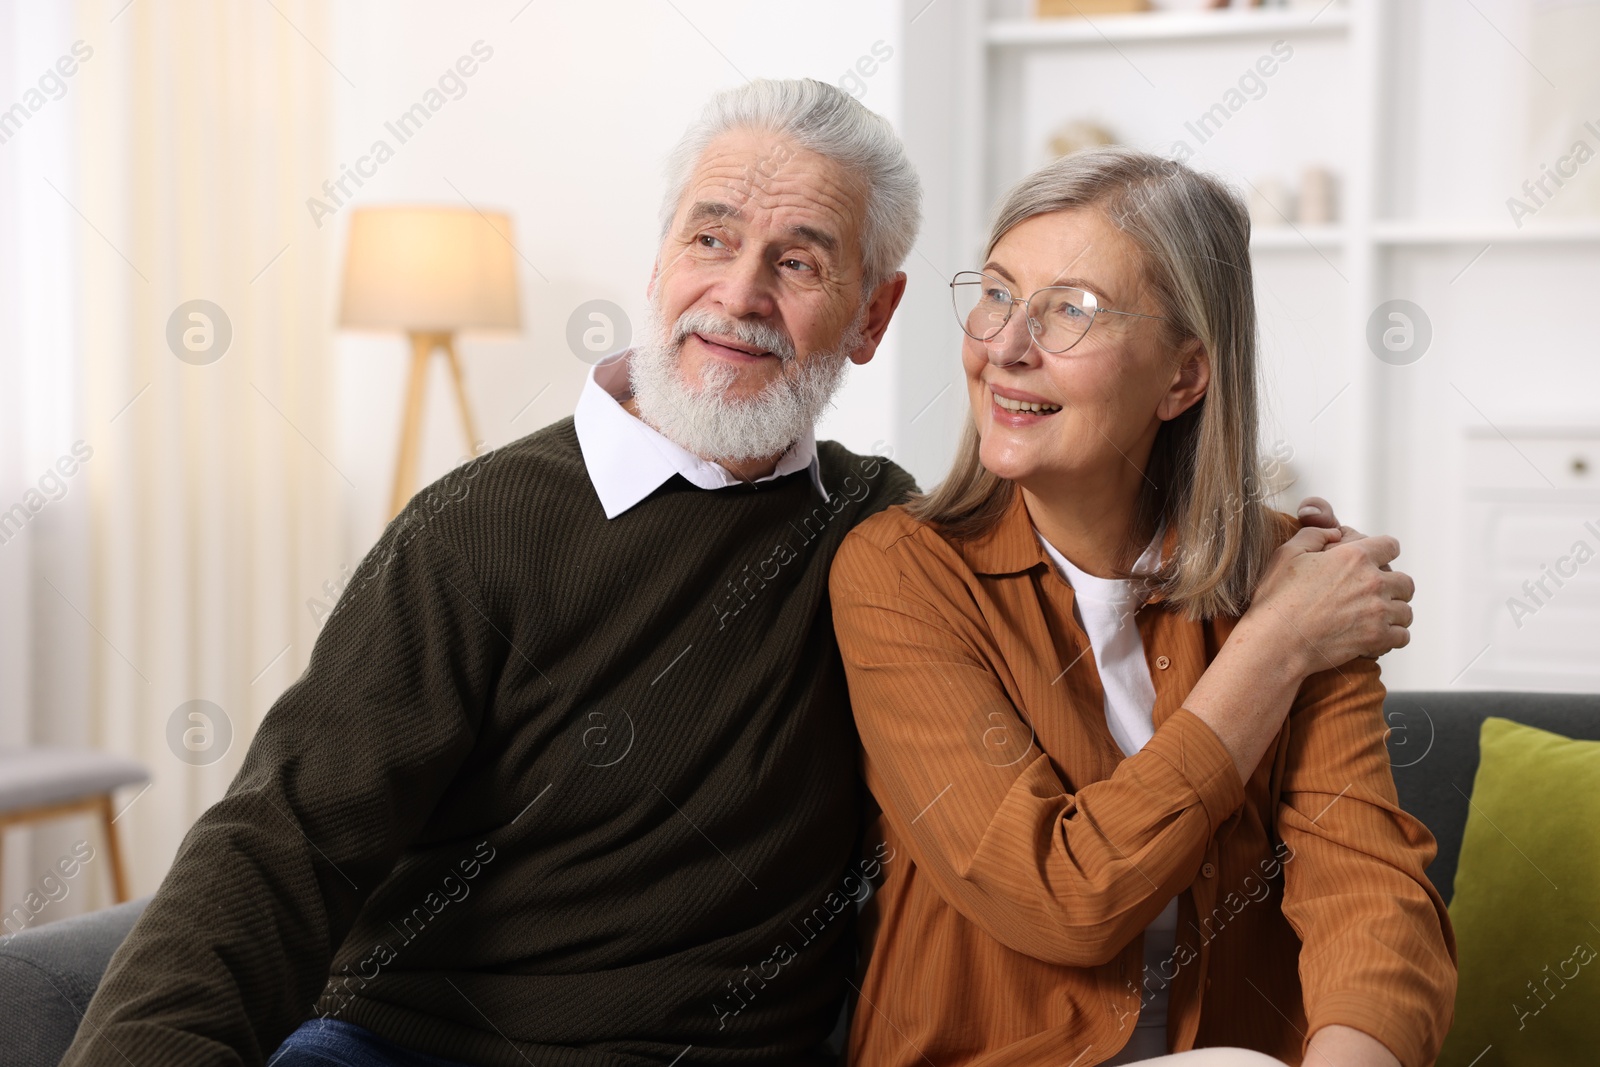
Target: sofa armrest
{"points": [[47, 975]]}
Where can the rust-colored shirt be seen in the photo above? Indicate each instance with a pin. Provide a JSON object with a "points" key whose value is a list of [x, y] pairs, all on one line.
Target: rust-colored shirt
{"points": [[1025, 855]]}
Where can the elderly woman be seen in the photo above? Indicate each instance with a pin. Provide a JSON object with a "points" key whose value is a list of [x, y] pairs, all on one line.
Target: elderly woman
{"points": [[1125, 731]]}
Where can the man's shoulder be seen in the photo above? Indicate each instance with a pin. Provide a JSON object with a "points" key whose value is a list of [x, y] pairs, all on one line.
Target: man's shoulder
{"points": [[556, 443], [506, 484], [532, 463], [874, 479]]}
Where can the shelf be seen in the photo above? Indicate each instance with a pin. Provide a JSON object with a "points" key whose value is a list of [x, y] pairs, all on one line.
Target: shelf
{"points": [[1563, 231], [1290, 238], [1166, 26], [1395, 233]]}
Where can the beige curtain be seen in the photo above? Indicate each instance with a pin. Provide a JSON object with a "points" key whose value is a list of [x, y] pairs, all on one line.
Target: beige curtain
{"points": [[216, 509]]}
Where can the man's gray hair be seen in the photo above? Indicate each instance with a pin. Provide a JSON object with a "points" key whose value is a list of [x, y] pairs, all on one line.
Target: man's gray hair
{"points": [[825, 119]]}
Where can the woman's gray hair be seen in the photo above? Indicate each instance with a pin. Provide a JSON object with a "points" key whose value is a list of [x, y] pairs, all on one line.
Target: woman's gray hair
{"points": [[825, 119], [1203, 477]]}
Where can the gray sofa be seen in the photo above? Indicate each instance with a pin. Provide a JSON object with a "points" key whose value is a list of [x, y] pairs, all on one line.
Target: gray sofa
{"points": [[48, 974], [1433, 747]]}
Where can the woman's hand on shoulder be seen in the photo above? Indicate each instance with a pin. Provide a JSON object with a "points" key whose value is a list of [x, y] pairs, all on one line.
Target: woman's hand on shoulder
{"points": [[1330, 597]]}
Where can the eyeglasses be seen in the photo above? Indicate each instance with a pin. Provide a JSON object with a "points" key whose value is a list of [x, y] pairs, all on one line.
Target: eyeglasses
{"points": [[1058, 315]]}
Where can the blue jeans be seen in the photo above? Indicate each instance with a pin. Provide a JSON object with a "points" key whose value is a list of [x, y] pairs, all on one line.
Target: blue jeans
{"points": [[336, 1043]]}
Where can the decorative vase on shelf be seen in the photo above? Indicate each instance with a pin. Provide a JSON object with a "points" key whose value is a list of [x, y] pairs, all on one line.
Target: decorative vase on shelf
{"points": [[1319, 197], [1271, 203], [1075, 135]]}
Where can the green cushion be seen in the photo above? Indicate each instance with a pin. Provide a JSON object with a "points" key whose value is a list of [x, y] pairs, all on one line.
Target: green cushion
{"points": [[1526, 908]]}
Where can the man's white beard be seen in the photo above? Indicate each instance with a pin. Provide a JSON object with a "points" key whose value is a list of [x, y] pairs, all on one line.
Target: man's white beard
{"points": [[705, 420]]}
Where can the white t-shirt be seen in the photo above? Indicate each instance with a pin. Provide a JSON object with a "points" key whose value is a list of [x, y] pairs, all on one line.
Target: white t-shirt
{"points": [[1105, 608]]}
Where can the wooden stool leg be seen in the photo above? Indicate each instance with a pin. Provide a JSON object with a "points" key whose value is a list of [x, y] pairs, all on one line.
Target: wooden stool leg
{"points": [[119, 877]]}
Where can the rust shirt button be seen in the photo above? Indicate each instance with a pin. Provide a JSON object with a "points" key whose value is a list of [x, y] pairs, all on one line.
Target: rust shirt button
{"points": [[1208, 870], [1163, 662]]}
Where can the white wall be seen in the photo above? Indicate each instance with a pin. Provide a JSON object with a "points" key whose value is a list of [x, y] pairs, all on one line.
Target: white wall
{"points": [[565, 127]]}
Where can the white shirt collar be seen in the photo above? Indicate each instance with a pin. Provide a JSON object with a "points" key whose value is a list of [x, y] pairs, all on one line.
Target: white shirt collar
{"points": [[1108, 590], [628, 459]]}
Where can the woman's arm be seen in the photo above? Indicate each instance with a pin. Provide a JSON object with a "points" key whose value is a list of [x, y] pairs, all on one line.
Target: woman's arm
{"points": [[1378, 953]]}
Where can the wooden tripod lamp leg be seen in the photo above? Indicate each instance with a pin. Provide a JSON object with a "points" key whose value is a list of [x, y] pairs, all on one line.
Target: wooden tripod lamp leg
{"points": [[405, 469], [461, 395]]}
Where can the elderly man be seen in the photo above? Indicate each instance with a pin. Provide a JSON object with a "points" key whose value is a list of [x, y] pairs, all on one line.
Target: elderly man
{"points": [[571, 776]]}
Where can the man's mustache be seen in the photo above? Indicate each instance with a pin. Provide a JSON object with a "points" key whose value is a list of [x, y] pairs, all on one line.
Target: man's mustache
{"points": [[755, 334]]}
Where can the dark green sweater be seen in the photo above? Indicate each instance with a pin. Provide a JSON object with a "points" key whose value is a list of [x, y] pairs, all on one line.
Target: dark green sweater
{"points": [[554, 789]]}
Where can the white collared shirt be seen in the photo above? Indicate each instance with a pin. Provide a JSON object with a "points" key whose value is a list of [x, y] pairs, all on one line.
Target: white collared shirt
{"points": [[628, 459]]}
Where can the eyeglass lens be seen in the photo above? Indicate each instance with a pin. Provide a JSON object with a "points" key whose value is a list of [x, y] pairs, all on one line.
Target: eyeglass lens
{"points": [[1058, 315]]}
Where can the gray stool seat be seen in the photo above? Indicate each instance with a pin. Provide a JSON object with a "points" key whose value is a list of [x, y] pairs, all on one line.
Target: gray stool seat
{"points": [[45, 776], [55, 782]]}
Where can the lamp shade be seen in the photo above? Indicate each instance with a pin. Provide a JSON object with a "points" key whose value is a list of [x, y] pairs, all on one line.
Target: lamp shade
{"points": [[429, 269]]}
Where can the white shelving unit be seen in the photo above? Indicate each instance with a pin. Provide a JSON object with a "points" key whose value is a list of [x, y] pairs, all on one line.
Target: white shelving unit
{"points": [[1400, 233], [1184, 26], [1368, 93]]}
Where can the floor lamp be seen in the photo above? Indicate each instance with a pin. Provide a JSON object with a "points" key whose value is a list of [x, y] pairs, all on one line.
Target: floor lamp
{"points": [[432, 272]]}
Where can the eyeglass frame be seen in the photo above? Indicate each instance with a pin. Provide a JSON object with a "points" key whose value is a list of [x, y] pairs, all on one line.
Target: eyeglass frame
{"points": [[1094, 311]]}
